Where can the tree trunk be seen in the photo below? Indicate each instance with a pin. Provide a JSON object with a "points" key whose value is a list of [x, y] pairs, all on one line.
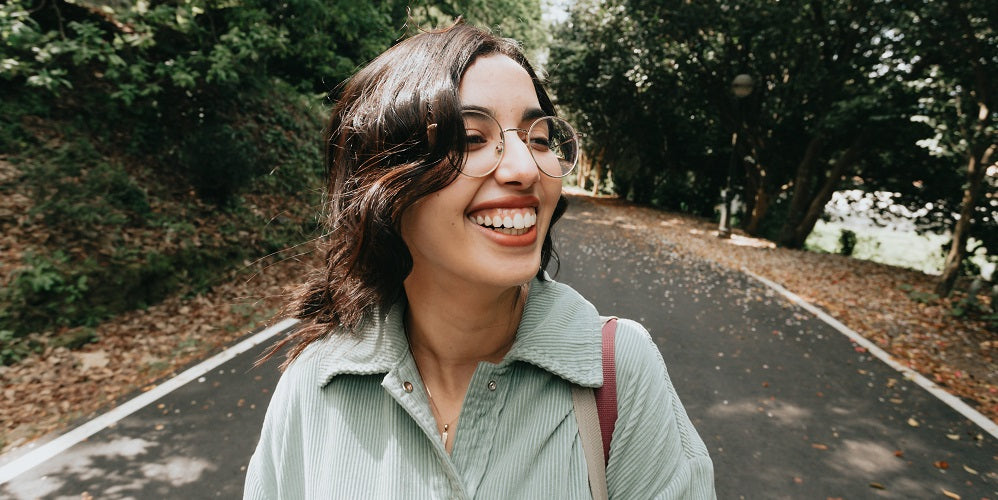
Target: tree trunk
{"points": [[585, 163], [598, 178], [759, 206], [803, 191], [977, 165], [803, 223]]}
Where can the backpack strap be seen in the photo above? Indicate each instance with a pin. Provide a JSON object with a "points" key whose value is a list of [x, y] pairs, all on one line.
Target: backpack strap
{"points": [[596, 414], [606, 396], [589, 430]]}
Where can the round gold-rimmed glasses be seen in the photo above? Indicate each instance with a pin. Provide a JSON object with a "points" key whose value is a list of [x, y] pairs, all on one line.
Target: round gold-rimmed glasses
{"points": [[552, 142]]}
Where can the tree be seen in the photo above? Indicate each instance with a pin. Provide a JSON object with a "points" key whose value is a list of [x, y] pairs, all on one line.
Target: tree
{"points": [[660, 71], [954, 57]]}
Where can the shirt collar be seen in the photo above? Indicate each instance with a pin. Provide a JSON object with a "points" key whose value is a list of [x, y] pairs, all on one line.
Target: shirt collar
{"points": [[558, 332]]}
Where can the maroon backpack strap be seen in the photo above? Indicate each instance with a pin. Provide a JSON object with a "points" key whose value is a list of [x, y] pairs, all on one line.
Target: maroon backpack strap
{"points": [[606, 396]]}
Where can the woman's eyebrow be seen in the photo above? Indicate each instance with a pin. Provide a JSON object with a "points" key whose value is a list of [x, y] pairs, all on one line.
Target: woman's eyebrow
{"points": [[475, 107], [527, 115], [532, 114]]}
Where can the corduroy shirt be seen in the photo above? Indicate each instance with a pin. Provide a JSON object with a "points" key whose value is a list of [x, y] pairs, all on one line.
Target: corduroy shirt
{"points": [[350, 417]]}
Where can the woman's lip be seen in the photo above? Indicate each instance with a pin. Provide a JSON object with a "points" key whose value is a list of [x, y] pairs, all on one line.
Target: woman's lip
{"points": [[507, 202], [508, 240]]}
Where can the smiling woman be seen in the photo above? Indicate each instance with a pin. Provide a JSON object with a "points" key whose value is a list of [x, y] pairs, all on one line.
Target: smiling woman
{"points": [[436, 358]]}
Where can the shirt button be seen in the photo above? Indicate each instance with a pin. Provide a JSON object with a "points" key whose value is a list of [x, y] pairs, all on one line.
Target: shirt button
{"points": [[407, 386], [492, 385]]}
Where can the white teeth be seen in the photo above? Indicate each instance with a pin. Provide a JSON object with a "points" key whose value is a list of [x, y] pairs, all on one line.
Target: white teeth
{"points": [[514, 222]]}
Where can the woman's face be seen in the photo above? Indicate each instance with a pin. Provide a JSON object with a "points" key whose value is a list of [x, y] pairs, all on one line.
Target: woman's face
{"points": [[446, 232]]}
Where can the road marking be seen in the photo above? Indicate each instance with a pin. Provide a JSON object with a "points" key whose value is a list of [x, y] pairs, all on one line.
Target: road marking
{"points": [[60, 444], [954, 402]]}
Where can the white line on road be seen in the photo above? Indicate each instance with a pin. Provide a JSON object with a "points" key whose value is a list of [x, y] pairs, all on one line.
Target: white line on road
{"points": [[52, 448], [954, 402]]}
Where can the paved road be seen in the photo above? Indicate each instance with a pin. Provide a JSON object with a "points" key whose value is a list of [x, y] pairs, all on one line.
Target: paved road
{"points": [[787, 406]]}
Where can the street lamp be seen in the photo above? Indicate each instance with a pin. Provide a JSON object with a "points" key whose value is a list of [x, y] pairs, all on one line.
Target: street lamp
{"points": [[741, 87]]}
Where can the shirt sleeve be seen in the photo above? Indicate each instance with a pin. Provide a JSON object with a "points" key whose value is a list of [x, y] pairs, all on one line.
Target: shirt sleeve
{"points": [[655, 451], [275, 455]]}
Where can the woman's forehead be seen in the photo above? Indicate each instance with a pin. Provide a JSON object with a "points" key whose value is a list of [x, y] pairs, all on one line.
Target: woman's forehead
{"points": [[499, 86]]}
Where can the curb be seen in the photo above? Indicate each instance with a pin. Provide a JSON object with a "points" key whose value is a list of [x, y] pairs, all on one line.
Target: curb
{"points": [[30, 458], [952, 401]]}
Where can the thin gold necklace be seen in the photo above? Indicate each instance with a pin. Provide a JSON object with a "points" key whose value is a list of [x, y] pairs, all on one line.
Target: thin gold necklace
{"points": [[436, 411], [433, 404]]}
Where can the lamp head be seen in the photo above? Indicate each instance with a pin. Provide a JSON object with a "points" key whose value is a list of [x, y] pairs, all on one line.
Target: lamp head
{"points": [[742, 85]]}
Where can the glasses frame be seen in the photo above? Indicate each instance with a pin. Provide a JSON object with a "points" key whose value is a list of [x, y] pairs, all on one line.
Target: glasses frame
{"points": [[501, 147]]}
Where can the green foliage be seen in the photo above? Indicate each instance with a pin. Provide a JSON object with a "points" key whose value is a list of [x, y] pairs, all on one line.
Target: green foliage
{"points": [[44, 291], [80, 198], [13, 348], [115, 111], [918, 295], [837, 85], [847, 242]]}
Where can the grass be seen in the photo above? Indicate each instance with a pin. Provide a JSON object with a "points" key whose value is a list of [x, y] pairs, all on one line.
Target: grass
{"points": [[884, 245]]}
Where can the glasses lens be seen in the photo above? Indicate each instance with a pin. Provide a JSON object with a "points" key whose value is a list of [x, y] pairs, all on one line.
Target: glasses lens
{"points": [[554, 144], [483, 143]]}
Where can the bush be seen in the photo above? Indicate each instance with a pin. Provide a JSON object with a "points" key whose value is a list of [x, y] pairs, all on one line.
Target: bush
{"points": [[114, 115], [847, 242]]}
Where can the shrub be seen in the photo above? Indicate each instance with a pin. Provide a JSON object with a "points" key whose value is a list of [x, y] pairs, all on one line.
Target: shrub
{"points": [[847, 242]]}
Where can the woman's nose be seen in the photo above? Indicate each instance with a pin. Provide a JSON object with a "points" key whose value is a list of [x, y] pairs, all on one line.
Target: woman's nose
{"points": [[516, 165]]}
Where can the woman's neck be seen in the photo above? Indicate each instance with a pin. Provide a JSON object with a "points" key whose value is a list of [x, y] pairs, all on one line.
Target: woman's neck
{"points": [[451, 332]]}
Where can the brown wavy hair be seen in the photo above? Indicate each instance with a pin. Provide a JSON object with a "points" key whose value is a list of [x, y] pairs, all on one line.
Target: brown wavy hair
{"points": [[394, 137]]}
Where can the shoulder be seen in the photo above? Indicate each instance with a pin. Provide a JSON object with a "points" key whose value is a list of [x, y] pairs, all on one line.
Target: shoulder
{"points": [[635, 353], [298, 380], [654, 439]]}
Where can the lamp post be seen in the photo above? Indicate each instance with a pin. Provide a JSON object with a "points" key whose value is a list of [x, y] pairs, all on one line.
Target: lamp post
{"points": [[741, 87]]}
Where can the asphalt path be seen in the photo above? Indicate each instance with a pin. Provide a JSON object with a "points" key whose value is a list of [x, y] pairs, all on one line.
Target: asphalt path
{"points": [[787, 405]]}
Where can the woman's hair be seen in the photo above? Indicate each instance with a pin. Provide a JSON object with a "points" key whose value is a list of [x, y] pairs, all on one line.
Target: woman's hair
{"points": [[394, 137]]}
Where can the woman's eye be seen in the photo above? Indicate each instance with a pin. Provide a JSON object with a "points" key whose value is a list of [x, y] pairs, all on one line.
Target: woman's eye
{"points": [[541, 143], [475, 139]]}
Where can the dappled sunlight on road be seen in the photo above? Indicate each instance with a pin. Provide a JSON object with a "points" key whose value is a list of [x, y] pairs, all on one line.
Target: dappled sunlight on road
{"points": [[109, 467], [864, 456], [783, 413], [177, 471]]}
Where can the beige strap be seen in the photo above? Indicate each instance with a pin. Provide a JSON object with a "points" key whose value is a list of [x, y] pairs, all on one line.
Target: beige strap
{"points": [[592, 440]]}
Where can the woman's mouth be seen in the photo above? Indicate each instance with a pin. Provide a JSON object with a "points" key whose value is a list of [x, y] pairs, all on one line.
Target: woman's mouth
{"points": [[508, 221]]}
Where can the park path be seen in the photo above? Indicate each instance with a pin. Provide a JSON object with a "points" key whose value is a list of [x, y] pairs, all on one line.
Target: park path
{"points": [[788, 406]]}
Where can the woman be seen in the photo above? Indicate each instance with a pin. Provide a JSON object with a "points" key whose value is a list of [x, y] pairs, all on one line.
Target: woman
{"points": [[436, 358]]}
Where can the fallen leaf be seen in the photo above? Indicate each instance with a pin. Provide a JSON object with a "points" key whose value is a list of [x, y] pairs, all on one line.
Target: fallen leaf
{"points": [[912, 422], [819, 446], [941, 464], [950, 494], [877, 486], [954, 437], [968, 469], [898, 453]]}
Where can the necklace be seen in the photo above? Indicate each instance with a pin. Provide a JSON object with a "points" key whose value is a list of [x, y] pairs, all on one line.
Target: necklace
{"points": [[433, 405], [436, 412]]}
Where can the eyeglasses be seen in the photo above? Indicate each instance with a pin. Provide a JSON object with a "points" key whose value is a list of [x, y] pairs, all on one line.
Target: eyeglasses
{"points": [[552, 142]]}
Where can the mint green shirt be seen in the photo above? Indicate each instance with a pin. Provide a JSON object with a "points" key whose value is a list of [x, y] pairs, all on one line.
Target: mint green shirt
{"points": [[350, 418]]}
